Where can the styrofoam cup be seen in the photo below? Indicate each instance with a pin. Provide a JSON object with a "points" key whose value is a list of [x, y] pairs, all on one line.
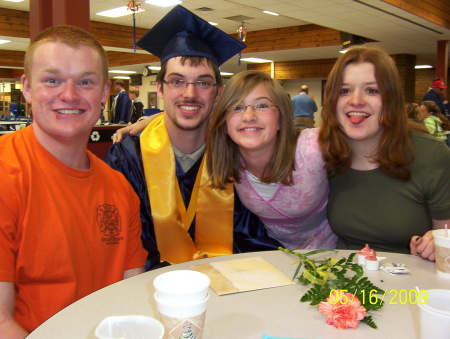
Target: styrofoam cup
{"points": [[129, 327], [181, 319], [175, 309], [435, 315], [442, 252], [182, 286]]}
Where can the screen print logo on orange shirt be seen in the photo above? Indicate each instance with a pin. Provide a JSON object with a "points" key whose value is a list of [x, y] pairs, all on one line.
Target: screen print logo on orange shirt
{"points": [[110, 224]]}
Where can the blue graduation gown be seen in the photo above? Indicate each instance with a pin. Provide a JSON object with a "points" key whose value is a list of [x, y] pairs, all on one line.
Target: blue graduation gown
{"points": [[123, 105], [249, 232]]}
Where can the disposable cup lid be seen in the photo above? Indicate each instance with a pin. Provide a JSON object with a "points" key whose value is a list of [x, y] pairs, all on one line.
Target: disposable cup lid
{"points": [[181, 282]]}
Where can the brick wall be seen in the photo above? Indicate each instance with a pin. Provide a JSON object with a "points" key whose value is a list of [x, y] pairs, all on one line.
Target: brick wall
{"points": [[405, 65]]}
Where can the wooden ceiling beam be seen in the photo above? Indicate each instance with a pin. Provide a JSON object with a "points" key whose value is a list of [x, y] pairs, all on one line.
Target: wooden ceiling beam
{"points": [[123, 59], [16, 24], [436, 11], [305, 36], [301, 69], [11, 58]]}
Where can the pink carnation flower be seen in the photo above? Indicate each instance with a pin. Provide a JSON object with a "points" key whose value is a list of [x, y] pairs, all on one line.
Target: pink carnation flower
{"points": [[344, 310]]}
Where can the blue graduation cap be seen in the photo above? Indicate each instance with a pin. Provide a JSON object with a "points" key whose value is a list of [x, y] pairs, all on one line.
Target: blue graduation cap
{"points": [[182, 33]]}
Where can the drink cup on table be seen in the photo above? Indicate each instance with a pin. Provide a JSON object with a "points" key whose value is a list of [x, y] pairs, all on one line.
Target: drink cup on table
{"points": [[181, 298], [129, 327], [442, 252], [435, 315]]}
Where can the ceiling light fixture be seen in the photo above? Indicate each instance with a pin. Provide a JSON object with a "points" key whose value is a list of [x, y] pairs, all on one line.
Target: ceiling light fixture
{"points": [[14, 0], [121, 77], [422, 66], [257, 60], [226, 73], [118, 12], [271, 13], [4, 41], [163, 3], [350, 40], [156, 68]]}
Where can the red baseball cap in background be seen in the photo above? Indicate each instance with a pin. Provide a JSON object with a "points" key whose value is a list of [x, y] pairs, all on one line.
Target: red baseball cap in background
{"points": [[439, 84]]}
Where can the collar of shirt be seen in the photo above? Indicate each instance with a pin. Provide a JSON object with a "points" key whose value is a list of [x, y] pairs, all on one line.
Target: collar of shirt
{"points": [[187, 160]]}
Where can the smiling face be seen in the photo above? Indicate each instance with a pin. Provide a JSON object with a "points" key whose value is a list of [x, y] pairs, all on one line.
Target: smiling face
{"points": [[187, 108], [359, 104], [251, 130], [66, 90]]}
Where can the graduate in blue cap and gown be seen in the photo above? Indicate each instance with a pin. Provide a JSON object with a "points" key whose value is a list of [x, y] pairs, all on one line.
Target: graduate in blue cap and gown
{"points": [[183, 219]]}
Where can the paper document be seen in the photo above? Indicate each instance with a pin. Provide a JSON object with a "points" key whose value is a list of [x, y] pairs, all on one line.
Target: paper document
{"points": [[242, 275]]}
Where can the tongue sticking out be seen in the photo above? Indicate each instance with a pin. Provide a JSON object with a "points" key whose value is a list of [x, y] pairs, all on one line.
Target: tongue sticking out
{"points": [[356, 119]]}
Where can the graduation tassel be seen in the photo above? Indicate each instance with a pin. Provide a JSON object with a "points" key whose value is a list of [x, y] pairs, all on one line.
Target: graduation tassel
{"points": [[134, 6], [242, 32]]}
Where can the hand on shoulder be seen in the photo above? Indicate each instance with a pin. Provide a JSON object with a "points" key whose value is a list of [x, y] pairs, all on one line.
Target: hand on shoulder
{"points": [[133, 129]]}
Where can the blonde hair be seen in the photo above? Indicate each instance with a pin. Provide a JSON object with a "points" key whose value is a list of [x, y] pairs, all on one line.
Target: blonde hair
{"points": [[134, 91], [72, 36], [223, 157]]}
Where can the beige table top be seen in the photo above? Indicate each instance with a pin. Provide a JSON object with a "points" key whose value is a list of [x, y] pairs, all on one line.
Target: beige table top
{"points": [[274, 312]]}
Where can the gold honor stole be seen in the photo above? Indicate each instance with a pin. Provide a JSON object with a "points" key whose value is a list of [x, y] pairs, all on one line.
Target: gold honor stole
{"points": [[212, 208]]}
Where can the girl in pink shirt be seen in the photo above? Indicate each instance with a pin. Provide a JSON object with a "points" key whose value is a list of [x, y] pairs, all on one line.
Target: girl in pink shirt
{"points": [[278, 172]]}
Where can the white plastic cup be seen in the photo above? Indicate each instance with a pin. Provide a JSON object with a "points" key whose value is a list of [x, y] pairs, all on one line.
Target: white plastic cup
{"points": [[181, 310], [182, 286], [129, 327], [442, 252], [435, 315], [181, 319]]}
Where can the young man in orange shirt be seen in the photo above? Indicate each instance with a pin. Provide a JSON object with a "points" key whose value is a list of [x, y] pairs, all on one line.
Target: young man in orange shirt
{"points": [[69, 224]]}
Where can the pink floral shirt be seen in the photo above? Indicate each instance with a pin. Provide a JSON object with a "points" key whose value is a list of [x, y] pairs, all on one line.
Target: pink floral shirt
{"points": [[296, 215]]}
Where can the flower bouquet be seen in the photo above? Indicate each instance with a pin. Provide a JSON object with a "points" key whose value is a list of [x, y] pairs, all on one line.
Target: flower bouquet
{"points": [[339, 288]]}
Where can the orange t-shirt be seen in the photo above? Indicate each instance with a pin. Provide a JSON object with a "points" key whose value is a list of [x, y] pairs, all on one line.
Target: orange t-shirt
{"points": [[64, 233]]}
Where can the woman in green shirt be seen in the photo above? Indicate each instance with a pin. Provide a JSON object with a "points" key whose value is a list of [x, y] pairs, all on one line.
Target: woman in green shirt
{"points": [[389, 182]]}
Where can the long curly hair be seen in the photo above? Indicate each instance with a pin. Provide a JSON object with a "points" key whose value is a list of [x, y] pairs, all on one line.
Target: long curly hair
{"points": [[395, 151]]}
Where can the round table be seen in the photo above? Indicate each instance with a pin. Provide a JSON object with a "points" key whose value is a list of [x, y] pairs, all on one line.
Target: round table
{"points": [[273, 312]]}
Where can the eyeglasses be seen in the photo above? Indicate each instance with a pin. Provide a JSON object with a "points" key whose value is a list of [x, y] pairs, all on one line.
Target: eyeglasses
{"points": [[179, 84], [260, 107]]}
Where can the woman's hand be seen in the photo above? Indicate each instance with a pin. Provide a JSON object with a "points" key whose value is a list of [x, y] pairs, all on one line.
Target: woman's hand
{"points": [[423, 246]]}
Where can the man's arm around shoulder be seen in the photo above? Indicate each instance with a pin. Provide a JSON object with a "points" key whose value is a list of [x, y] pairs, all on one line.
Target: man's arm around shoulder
{"points": [[8, 326]]}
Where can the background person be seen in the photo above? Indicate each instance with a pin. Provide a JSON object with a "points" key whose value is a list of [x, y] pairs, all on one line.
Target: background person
{"points": [[304, 108], [279, 174], [412, 111], [184, 219], [137, 107], [389, 179], [69, 224], [434, 120], [121, 104], [436, 94]]}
